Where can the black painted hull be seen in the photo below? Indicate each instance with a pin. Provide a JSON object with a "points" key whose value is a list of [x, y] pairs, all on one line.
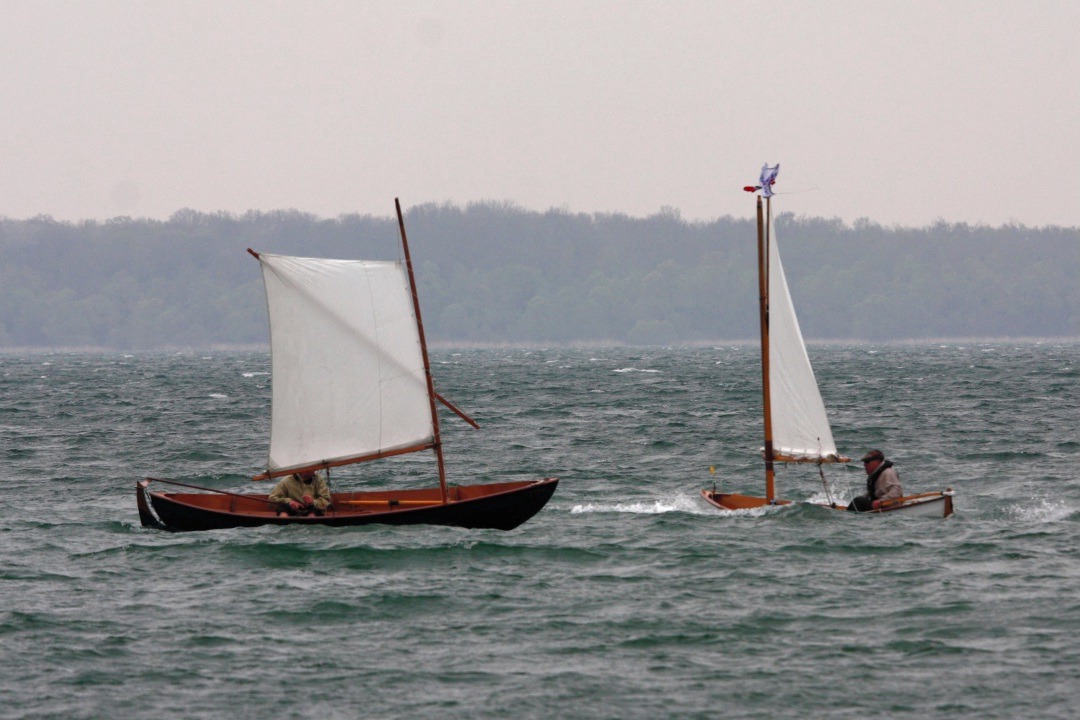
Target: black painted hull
{"points": [[499, 506]]}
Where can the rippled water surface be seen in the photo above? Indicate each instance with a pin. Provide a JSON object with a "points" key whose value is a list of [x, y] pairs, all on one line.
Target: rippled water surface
{"points": [[626, 597]]}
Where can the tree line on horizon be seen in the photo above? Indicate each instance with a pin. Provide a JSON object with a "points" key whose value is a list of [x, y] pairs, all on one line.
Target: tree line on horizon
{"points": [[494, 273]]}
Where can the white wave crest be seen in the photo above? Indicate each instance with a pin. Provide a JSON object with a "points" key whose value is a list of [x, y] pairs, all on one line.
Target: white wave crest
{"points": [[640, 370], [1046, 511], [680, 503]]}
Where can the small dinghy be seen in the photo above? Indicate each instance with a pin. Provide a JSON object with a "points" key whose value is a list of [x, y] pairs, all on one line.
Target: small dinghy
{"points": [[351, 383], [797, 429]]}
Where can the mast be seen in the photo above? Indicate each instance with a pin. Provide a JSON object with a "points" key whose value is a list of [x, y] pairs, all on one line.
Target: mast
{"points": [[427, 363], [763, 307]]}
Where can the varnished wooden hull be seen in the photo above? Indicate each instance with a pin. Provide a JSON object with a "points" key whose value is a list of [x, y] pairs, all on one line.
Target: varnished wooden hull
{"points": [[499, 506], [931, 504]]}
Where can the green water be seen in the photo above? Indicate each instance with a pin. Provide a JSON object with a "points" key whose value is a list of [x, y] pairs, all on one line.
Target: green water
{"points": [[626, 597]]}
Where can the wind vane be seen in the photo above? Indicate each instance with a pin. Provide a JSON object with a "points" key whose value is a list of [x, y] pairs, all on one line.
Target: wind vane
{"points": [[768, 177]]}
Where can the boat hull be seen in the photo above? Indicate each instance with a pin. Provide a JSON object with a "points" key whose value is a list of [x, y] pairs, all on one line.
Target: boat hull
{"points": [[931, 504], [498, 506]]}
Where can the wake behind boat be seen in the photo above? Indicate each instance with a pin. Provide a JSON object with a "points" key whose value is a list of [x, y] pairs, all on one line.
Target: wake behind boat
{"points": [[797, 429], [351, 383]]}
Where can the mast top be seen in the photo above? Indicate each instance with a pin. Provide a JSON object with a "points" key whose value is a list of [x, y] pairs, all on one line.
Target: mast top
{"points": [[766, 181]]}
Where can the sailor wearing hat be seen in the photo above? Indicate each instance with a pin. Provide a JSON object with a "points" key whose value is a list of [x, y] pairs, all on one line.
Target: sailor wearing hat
{"points": [[882, 483]]}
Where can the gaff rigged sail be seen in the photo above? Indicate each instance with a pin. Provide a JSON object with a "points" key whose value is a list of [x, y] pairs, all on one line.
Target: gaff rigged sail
{"points": [[348, 372]]}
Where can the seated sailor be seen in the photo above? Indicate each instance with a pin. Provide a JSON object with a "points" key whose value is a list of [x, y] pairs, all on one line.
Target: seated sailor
{"points": [[882, 483], [302, 493]]}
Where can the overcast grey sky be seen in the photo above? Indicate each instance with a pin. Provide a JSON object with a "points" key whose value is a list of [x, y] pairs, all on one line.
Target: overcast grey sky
{"points": [[902, 112]]}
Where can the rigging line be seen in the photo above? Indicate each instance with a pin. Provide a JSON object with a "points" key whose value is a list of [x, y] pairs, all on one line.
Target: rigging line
{"points": [[821, 472], [214, 490], [828, 493]]}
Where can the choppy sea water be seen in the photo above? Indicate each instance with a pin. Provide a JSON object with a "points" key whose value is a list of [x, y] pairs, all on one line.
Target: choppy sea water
{"points": [[626, 597]]}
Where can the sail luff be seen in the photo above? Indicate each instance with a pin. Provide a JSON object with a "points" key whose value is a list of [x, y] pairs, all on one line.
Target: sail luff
{"points": [[800, 425], [423, 351]]}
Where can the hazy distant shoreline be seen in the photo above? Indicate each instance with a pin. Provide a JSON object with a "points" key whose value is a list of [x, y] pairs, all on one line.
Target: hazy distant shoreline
{"points": [[496, 275]]}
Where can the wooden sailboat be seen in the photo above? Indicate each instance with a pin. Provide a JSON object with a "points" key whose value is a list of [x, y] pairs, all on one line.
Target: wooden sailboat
{"points": [[797, 429], [351, 383]]}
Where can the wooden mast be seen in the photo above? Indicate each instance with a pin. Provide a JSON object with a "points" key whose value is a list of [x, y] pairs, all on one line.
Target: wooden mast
{"points": [[427, 363], [763, 303]]}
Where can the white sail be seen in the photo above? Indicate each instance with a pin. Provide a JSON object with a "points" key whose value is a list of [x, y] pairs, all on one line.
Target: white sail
{"points": [[348, 371], [800, 428]]}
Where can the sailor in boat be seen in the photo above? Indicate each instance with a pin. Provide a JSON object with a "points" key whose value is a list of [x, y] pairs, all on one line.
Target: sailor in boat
{"points": [[302, 493], [882, 483]]}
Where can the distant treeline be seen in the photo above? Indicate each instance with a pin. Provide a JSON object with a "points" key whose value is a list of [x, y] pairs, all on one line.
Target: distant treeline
{"points": [[496, 273]]}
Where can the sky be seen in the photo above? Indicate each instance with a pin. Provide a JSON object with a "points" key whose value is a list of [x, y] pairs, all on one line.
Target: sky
{"points": [[903, 112]]}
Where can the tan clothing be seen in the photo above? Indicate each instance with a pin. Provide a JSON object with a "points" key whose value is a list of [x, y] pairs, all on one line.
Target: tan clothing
{"points": [[292, 487]]}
